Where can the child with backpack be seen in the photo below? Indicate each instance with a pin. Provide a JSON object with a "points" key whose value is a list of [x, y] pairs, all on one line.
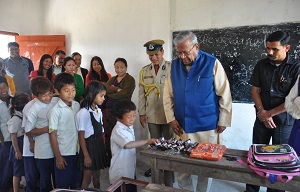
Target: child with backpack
{"points": [[17, 135]]}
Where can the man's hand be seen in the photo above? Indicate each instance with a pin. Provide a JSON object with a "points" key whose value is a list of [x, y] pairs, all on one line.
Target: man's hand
{"points": [[176, 127], [220, 129], [143, 120], [265, 117], [269, 123]]}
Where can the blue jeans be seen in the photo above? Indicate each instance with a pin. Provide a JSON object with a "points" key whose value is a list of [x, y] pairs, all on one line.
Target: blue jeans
{"points": [[262, 135]]}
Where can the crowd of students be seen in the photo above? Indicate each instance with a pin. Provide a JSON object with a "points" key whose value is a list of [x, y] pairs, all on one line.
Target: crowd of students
{"points": [[56, 139]]}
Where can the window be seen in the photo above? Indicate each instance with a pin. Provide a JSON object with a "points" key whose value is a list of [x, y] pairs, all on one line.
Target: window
{"points": [[5, 38]]}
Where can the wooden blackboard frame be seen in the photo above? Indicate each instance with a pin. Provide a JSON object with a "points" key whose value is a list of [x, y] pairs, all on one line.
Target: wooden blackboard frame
{"points": [[239, 49]]}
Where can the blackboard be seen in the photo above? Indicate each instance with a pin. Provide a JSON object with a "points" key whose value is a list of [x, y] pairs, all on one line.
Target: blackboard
{"points": [[239, 49]]}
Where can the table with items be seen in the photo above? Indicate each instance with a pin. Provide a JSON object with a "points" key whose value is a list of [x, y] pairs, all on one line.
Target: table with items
{"points": [[171, 158]]}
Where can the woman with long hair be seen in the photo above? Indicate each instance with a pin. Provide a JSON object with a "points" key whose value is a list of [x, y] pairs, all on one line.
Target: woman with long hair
{"points": [[45, 68], [97, 71]]}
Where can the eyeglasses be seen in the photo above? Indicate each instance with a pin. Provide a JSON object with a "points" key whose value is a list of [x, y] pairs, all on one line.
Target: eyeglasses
{"points": [[185, 53]]}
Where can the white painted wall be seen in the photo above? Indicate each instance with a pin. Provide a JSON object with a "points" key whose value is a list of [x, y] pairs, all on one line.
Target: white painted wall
{"points": [[205, 14], [23, 17], [112, 29]]}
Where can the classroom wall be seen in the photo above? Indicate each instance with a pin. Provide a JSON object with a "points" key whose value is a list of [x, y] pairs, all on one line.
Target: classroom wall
{"points": [[23, 17], [112, 29]]}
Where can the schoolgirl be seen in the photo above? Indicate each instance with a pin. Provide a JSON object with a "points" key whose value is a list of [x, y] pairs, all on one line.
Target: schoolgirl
{"points": [[92, 156], [17, 136]]}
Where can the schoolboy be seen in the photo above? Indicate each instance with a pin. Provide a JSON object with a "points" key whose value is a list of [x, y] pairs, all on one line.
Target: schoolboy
{"points": [[63, 133], [37, 126], [123, 144], [6, 166], [31, 172]]}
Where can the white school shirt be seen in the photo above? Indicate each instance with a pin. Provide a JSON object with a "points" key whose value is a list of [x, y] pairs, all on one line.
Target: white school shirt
{"points": [[26, 145], [14, 124], [123, 162], [37, 118], [4, 117], [84, 122], [62, 119]]}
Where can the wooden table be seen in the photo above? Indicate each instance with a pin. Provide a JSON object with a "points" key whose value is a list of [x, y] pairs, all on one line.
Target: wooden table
{"points": [[222, 169]]}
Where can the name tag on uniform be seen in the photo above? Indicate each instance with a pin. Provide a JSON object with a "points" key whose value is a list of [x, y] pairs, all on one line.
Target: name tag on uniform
{"points": [[163, 76], [148, 77]]}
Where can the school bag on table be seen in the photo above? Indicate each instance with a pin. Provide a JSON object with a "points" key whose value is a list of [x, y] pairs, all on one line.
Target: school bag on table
{"points": [[275, 162]]}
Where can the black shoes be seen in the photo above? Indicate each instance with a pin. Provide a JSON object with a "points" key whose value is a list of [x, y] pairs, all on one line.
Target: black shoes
{"points": [[148, 173]]}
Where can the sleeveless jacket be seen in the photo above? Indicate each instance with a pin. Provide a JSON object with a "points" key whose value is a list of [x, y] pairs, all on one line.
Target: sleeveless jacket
{"points": [[196, 105]]}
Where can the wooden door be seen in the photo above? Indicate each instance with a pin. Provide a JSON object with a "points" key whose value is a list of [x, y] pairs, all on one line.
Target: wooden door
{"points": [[34, 47]]}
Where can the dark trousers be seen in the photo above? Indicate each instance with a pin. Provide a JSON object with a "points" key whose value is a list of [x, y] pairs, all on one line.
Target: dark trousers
{"points": [[71, 176], [109, 125], [31, 174], [279, 135], [6, 167], [45, 169], [263, 135]]}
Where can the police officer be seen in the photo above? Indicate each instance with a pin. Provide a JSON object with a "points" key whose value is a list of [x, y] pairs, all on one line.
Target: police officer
{"points": [[151, 85]]}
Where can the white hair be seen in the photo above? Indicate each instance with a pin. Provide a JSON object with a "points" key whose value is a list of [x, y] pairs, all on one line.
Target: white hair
{"points": [[182, 36]]}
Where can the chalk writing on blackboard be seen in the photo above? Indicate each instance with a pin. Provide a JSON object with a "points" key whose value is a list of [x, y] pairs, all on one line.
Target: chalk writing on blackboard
{"points": [[240, 48]]}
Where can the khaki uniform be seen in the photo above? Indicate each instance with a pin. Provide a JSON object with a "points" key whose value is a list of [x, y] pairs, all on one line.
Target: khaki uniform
{"points": [[152, 105]]}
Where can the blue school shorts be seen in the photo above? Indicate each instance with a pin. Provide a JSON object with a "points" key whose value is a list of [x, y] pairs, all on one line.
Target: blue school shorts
{"points": [[18, 165], [31, 174], [71, 176], [6, 167]]}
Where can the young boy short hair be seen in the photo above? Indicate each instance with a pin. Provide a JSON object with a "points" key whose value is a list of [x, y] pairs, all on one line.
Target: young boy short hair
{"points": [[63, 133], [31, 172], [123, 144], [37, 126], [6, 168]]}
